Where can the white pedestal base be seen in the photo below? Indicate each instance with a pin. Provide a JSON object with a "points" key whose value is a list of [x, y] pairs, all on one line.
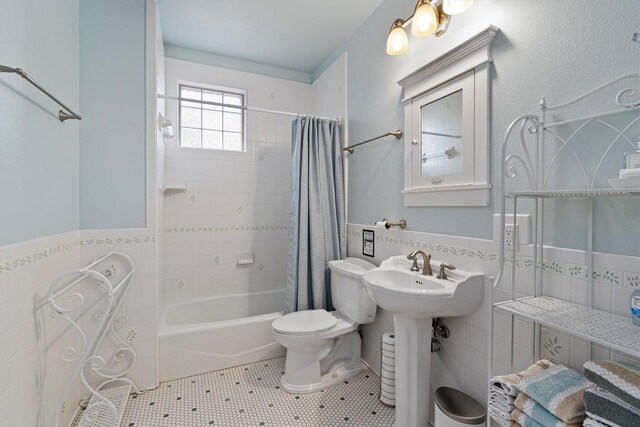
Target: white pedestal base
{"points": [[413, 365]]}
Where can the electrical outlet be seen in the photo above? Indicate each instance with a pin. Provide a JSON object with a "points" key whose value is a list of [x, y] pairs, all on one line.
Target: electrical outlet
{"points": [[523, 224], [508, 236]]}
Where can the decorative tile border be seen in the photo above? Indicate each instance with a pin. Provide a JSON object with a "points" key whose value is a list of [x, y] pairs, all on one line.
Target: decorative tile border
{"points": [[477, 254], [22, 261], [631, 280], [227, 229], [577, 271], [129, 240], [26, 260], [549, 266], [611, 277]]}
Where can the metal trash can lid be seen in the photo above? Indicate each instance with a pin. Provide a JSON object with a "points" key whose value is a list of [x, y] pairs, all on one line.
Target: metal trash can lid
{"points": [[459, 406]]}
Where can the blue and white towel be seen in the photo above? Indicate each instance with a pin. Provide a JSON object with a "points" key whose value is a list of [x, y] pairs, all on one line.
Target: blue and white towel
{"points": [[560, 391], [523, 419], [508, 384], [536, 411], [503, 390]]}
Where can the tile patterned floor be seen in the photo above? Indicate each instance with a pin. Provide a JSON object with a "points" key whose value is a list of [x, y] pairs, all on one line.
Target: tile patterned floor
{"points": [[250, 395]]}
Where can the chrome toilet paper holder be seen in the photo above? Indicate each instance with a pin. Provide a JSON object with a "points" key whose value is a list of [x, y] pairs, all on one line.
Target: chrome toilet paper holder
{"points": [[402, 224]]}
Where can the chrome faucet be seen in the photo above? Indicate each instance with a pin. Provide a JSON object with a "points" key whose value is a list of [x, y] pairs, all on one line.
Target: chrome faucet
{"points": [[426, 269]]}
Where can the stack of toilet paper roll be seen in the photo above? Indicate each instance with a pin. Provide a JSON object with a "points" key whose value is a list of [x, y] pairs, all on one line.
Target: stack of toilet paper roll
{"points": [[388, 370]]}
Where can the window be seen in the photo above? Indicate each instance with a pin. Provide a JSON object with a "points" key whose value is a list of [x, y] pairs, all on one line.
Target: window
{"points": [[212, 126]]}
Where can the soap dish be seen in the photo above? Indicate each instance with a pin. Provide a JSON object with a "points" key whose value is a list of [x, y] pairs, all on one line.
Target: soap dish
{"points": [[625, 183]]}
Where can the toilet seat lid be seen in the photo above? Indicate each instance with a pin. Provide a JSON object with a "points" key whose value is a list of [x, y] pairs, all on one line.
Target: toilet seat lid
{"points": [[305, 322]]}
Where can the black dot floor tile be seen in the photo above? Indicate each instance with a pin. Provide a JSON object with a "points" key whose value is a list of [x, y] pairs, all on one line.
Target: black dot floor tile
{"points": [[250, 395]]}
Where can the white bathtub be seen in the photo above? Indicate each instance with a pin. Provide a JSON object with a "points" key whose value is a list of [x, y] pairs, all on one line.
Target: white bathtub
{"points": [[217, 333]]}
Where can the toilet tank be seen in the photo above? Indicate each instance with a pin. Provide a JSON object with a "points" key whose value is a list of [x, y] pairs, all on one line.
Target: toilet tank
{"points": [[348, 294]]}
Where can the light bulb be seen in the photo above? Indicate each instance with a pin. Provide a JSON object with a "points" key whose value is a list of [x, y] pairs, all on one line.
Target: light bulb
{"points": [[425, 20], [455, 7], [397, 42]]}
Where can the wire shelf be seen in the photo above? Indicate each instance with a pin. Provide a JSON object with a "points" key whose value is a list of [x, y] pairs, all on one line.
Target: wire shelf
{"points": [[610, 330], [99, 415], [607, 192]]}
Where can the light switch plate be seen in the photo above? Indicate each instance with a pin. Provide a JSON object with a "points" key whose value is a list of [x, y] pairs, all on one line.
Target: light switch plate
{"points": [[368, 243]]}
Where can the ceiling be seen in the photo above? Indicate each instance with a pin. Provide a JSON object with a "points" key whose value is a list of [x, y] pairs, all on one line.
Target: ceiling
{"points": [[293, 34]]}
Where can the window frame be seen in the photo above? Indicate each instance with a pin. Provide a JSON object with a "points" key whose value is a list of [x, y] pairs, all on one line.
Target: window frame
{"points": [[215, 88]]}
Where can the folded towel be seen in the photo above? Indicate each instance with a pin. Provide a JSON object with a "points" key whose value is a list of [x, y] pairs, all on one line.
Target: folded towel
{"points": [[499, 417], [501, 399], [523, 419], [508, 382], [536, 411], [606, 408], [503, 406], [499, 414], [559, 390], [621, 379], [590, 422]]}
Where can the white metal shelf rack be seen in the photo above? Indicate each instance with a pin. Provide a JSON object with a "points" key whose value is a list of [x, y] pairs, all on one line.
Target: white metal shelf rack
{"points": [[610, 330], [529, 160], [104, 282]]}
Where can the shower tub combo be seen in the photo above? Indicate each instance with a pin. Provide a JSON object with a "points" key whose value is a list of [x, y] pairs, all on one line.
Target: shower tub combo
{"points": [[216, 333]]}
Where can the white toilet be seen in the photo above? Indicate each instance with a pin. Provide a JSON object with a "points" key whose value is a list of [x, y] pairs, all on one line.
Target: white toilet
{"points": [[323, 348]]}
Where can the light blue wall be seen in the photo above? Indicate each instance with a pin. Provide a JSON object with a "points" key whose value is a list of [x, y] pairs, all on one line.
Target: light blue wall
{"points": [[112, 100], [207, 58], [547, 47], [38, 154]]}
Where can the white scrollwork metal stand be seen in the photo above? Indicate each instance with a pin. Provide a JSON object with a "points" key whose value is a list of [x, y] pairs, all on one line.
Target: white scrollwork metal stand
{"points": [[106, 405], [532, 131], [529, 162]]}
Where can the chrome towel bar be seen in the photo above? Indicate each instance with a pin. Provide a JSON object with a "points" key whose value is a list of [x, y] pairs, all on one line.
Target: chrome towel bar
{"points": [[62, 115], [397, 134]]}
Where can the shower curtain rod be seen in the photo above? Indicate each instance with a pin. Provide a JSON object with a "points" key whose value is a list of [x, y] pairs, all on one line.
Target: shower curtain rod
{"points": [[241, 107]]}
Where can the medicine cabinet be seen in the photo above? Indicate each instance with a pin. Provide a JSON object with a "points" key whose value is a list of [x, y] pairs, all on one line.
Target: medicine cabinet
{"points": [[447, 126]]}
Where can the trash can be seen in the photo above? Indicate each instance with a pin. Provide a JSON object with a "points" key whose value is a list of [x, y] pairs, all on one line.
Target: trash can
{"points": [[456, 409]]}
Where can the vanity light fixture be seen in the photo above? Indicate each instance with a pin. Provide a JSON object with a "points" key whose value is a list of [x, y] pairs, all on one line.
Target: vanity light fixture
{"points": [[425, 19], [456, 7], [429, 17], [397, 42]]}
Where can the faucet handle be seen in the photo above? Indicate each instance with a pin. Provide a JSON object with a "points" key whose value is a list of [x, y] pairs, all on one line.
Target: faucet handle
{"points": [[442, 274], [414, 266]]}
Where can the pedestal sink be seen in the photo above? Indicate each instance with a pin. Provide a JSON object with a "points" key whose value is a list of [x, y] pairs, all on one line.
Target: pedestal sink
{"points": [[414, 299]]}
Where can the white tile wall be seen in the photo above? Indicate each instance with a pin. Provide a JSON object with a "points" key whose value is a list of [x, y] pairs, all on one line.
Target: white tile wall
{"points": [[32, 374], [462, 363], [234, 202], [30, 364]]}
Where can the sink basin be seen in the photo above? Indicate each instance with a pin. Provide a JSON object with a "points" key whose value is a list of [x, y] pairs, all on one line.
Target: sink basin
{"points": [[397, 289], [414, 299]]}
